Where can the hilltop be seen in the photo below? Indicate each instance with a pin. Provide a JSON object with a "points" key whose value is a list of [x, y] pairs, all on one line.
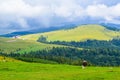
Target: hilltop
{"points": [[80, 33]]}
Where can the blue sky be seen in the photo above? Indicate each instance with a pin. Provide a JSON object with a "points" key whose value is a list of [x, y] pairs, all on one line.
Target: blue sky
{"points": [[16, 15]]}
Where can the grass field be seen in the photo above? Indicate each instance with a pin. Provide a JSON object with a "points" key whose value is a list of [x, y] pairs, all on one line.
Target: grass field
{"points": [[77, 34], [37, 71], [8, 45]]}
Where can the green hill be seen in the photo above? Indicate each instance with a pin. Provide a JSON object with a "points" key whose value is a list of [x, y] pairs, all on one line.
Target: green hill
{"points": [[79, 33], [8, 45], [29, 42]]}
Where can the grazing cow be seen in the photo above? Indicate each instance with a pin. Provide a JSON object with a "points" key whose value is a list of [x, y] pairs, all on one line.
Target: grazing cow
{"points": [[84, 64]]}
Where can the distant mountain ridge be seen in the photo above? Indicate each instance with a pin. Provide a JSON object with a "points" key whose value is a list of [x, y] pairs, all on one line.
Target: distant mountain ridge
{"points": [[115, 27], [39, 30]]}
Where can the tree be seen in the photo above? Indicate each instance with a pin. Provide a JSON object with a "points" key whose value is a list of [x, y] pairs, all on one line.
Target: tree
{"points": [[42, 39]]}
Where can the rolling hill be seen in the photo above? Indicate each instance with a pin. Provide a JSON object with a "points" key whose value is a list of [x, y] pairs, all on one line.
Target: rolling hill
{"points": [[80, 33]]}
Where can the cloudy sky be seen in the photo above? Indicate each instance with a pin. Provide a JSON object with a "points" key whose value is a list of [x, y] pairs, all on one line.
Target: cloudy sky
{"points": [[18, 15]]}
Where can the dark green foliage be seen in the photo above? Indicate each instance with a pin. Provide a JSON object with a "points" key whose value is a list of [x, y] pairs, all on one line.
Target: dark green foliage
{"points": [[102, 53], [73, 56], [115, 43]]}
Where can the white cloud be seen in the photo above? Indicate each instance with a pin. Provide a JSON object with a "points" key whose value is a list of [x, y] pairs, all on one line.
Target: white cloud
{"points": [[97, 10], [115, 10], [50, 12], [109, 13], [19, 8]]}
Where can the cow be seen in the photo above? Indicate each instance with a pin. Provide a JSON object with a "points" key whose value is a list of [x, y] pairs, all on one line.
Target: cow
{"points": [[84, 64]]}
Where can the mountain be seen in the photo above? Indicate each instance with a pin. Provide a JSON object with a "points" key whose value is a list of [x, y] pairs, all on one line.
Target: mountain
{"points": [[111, 26], [80, 33], [16, 33]]}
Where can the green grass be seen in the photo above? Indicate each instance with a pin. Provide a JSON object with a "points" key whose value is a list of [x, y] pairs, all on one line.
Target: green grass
{"points": [[8, 45], [79, 33], [37, 71]]}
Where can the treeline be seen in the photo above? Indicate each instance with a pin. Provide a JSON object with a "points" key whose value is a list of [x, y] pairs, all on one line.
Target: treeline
{"points": [[115, 43], [73, 56], [86, 44]]}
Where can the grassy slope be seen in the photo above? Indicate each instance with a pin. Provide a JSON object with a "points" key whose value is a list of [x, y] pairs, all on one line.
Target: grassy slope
{"points": [[78, 34], [8, 45], [35, 71], [7, 59]]}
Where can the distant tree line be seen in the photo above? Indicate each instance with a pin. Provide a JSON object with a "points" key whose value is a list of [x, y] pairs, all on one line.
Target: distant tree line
{"points": [[98, 53]]}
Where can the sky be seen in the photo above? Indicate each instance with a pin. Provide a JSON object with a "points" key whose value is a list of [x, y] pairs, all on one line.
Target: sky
{"points": [[17, 15]]}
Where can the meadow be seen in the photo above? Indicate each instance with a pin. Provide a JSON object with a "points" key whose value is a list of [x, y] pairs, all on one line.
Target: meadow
{"points": [[8, 45], [38, 71]]}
